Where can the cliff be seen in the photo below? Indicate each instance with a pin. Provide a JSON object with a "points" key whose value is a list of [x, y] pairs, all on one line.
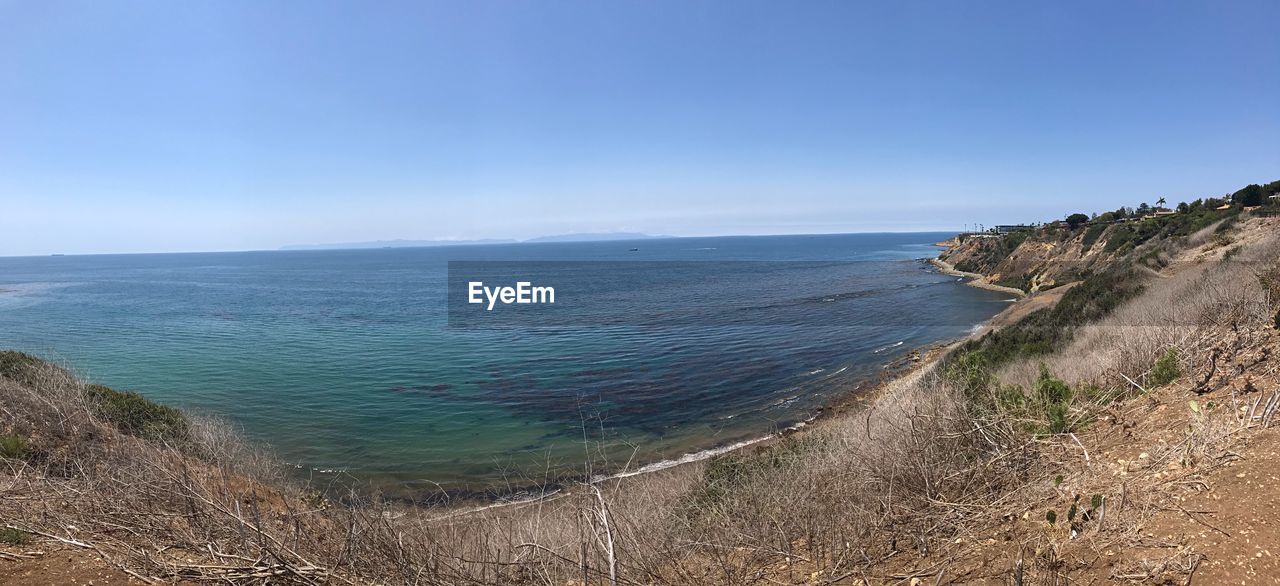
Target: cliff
{"points": [[1047, 256]]}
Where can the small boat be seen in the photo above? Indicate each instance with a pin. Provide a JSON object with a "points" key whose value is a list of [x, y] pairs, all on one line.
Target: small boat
{"points": [[633, 250]]}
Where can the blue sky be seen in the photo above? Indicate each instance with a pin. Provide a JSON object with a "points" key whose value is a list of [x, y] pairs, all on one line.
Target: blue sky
{"points": [[176, 126]]}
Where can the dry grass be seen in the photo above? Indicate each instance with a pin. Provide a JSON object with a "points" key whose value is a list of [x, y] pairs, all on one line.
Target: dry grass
{"points": [[902, 475], [1188, 311]]}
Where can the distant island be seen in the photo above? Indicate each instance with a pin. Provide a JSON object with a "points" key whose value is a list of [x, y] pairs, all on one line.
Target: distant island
{"points": [[577, 237], [596, 237], [394, 244]]}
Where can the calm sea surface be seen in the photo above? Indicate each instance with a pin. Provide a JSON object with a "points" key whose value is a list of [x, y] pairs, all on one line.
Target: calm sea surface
{"points": [[351, 361]]}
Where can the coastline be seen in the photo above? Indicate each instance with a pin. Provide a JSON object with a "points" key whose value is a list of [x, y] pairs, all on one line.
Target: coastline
{"points": [[975, 280], [852, 396], [916, 361], [860, 394]]}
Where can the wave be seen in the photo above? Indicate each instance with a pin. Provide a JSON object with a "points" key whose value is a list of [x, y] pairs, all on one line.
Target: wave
{"points": [[890, 346], [685, 459], [786, 401], [524, 498]]}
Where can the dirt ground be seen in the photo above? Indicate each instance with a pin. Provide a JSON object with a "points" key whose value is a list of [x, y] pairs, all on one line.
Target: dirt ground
{"points": [[1181, 507], [46, 564]]}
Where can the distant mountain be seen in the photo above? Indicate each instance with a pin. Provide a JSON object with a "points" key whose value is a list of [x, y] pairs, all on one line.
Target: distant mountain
{"points": [[394, 244], [584, 237], [595, 237]]}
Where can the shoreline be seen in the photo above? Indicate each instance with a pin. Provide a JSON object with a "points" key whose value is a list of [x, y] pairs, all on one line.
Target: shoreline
{"points": [[858, 396], [855, 395], [975, 280]]}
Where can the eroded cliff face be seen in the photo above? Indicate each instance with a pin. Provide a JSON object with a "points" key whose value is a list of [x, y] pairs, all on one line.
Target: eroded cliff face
{"points": [[1053, 255], [1033, 260]]}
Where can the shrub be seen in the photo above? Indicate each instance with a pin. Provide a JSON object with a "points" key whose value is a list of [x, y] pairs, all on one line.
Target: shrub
{"points": [[1056, 418], [1021, 282], [11, 536], [130, 412], [1050, 389], [992, 251], [1045, 330], [1250, 195], [13, 446], [1165, 369], [1126, 237], [1053, 396], [1091, 236], [970, 371], [1093, 394], [133, 414], [18, 366], [726, 474], [1011, 397]]}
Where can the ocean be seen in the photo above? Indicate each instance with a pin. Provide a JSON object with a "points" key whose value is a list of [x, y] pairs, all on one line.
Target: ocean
{"points": [[369, 365]]}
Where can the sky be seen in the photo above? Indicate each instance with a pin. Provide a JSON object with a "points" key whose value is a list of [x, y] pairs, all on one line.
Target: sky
{"points": [[235, 125]]}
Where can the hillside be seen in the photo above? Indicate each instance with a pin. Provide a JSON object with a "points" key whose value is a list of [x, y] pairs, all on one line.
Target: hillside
{"points": [[1042, 257], [1117, 424]]}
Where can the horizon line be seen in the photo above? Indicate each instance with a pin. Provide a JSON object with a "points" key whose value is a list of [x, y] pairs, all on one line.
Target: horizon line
{"points": [[469, 243]]}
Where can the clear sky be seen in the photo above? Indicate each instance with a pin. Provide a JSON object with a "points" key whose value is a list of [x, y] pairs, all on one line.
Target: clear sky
{"points": [[223, 125]]}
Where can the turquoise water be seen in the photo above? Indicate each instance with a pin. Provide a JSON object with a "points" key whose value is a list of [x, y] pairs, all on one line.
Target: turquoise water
{"points": [[352, 361]]}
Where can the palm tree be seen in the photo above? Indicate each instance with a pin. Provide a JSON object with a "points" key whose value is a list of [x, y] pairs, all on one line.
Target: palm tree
{"points": [[1160, 202]]}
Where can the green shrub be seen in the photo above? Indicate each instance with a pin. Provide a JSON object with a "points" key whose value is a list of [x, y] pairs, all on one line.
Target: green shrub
{"points": [[1050, 389], [1053, 398], [1050, 400], [1021, 282], [1122, 239], [726, 474], [1056, 418], [133, 414], [1094, 394], [1228, 223], [971, 372], [10, 536], [992, 251], [1046, 330], [18, 366], [1165, 370], [1091, 236], [13, 447], [1130, 235], [130, 412], [1011, 397]]}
